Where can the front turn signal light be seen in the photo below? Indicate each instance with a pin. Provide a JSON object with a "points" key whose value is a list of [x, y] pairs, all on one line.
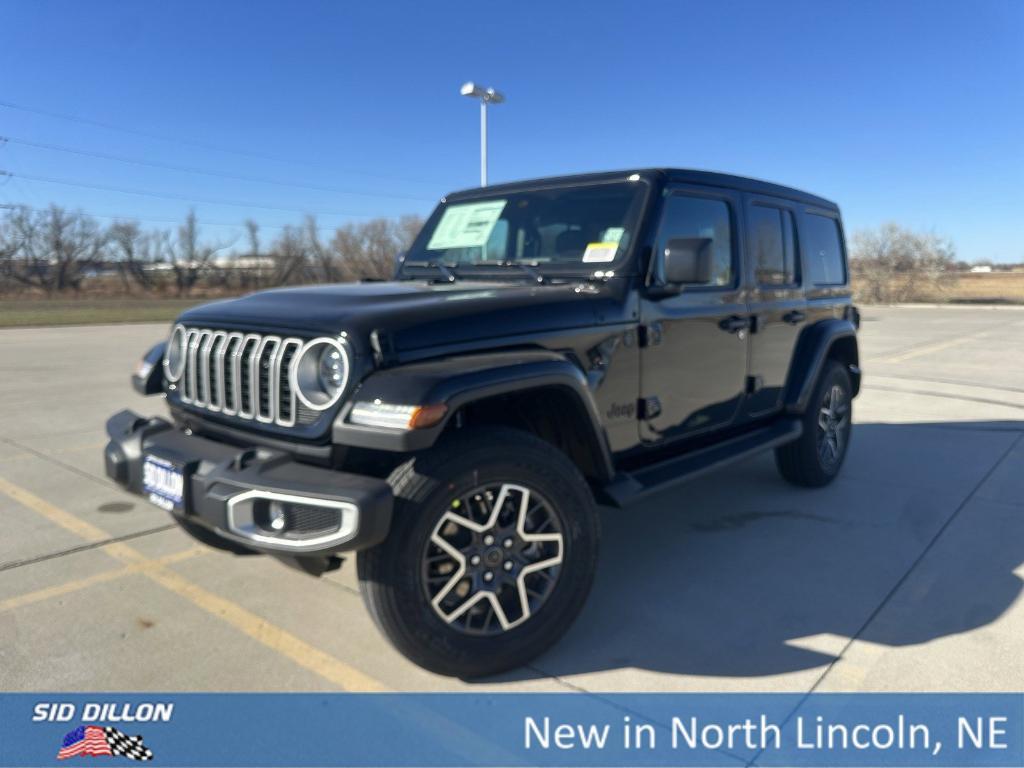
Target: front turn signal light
{"points": [[427, 416], [389, 416]]}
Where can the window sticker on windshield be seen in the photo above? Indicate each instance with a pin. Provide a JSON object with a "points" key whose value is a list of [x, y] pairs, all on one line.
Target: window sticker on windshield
{"points": [[466, 226], [600, 252], [613, 235]]}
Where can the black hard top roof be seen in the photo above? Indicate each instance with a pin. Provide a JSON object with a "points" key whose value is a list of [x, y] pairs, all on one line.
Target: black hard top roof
{"points": [[679, 175]]}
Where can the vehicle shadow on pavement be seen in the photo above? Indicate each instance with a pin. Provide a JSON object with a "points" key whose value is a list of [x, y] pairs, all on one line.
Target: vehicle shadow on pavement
{"points": [[738, 574]]}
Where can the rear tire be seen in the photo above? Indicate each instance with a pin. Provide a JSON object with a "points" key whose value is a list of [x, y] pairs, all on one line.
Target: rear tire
{"points": [[521, 581], [814, 460]]}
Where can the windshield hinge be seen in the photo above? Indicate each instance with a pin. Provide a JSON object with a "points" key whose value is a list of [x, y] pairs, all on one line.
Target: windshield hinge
{"points": [[383, 348]]}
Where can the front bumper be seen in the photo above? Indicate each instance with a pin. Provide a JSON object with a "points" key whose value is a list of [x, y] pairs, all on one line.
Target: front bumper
{"points": [[225, 487]]}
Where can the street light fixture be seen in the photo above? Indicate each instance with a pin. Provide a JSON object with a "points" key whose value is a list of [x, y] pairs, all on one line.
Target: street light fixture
{"points": [[486, 96]]}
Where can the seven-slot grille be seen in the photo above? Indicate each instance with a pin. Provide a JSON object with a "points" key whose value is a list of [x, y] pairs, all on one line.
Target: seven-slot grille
{"points": [[243, 375]]}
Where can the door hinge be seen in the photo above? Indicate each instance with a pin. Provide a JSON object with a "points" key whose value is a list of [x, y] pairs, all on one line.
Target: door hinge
{"points": [[649, 335], [648, 408]]}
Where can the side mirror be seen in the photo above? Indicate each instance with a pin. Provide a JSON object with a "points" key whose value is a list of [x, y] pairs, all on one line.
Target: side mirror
{"points": [[688, 261]]}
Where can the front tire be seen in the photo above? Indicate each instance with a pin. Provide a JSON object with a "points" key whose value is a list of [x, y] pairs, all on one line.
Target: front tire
{"points": [[491, 553], [815, 458]]}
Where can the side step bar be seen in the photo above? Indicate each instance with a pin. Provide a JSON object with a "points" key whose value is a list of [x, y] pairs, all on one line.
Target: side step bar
{"points": [[627, 488]]}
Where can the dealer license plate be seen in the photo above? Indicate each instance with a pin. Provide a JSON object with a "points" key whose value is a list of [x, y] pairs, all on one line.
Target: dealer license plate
{"points": [[163, 482]]}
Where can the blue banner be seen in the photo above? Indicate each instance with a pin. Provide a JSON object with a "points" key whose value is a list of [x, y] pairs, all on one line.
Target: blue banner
{"points": [[469, 730]]}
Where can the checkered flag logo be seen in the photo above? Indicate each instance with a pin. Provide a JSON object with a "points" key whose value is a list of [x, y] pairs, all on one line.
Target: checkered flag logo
{"points": [[127, 746], [97, 741]]}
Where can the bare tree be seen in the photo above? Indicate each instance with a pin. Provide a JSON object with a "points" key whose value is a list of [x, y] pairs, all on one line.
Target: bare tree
{"points": [[322, 256], [368, 250], [347, 243], [131, 249], [894, 264], [190, 259], [380, 247], [290, 258], [9, 248], [407, 228], [74, 241], [51, 248], [252, 231]]}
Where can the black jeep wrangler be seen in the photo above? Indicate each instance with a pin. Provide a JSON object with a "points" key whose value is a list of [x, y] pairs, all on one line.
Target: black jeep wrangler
{"points": [[546, 346]]}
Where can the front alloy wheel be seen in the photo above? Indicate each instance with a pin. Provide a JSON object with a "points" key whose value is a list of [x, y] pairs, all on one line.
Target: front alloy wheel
{"points": [[491, 553], [493, 559]]}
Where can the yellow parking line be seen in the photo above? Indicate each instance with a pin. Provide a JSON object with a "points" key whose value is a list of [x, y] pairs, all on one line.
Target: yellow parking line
{"points": [[928, 349], [65, 520], [75, 585], [270, 635], [277, 639], [94, 445]]}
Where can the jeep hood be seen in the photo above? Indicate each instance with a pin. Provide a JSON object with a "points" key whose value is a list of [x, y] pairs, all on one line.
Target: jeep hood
{"points": [[417, 314]]}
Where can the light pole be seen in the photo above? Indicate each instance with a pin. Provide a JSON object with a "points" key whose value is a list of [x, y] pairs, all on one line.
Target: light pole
{"points": [[486, 96]]}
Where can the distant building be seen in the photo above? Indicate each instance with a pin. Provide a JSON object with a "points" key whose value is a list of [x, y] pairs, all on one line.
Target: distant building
{"points": [[981, 269], [246, 262]]}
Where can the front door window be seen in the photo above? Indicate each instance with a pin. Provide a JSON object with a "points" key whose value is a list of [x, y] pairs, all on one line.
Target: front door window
{"points": [[694, 367]]}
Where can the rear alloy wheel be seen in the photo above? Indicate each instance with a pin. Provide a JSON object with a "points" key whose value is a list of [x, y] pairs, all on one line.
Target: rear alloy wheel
{"points": [[833, 420], [491, 553], [815, 458]]}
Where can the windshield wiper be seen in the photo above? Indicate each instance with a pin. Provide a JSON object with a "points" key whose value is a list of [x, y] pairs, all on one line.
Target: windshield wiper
{"points": [[440, 266], [533, 272]]}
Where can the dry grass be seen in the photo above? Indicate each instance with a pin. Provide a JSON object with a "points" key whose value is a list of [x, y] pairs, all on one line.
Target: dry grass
{"points": [[35, 312], [992, 288]]}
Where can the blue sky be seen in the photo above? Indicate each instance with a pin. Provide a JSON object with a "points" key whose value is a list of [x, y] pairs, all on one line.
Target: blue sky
{"points": [[904, 111]]}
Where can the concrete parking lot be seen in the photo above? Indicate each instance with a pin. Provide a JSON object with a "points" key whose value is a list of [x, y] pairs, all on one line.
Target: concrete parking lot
{"points": [[904, 575]]}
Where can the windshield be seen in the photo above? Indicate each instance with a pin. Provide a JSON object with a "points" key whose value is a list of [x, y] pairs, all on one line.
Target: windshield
{"points": [[555, 227]]}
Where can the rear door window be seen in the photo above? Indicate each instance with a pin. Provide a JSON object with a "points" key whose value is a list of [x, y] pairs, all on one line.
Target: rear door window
{"points": [[822, 251], [767, 248]]}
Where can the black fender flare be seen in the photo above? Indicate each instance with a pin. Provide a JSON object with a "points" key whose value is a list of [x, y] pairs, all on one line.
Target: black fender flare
{"points": [[813, 348], [459, 380]]}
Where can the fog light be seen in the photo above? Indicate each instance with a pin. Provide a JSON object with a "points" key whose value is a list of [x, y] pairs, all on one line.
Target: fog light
{"points": [[275, 516]]}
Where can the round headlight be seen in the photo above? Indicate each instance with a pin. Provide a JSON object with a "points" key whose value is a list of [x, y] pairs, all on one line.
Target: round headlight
{"points": [[174, 357], [319, 373]]}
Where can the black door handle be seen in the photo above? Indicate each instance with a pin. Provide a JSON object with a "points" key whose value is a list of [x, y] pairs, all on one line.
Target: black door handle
{"points": [[794, 317], [734, 324]]}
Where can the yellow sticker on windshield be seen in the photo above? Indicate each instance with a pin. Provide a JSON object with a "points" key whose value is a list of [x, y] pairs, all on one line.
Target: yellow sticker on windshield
{"points": [[600, 252]]}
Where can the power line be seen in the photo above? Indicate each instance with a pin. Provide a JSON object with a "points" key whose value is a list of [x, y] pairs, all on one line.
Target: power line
{"points": [[185, 198], [191, 142], [191, 169]]}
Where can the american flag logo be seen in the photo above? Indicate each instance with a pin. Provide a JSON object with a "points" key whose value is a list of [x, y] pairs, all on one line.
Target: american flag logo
{"points": [[97, 741]]}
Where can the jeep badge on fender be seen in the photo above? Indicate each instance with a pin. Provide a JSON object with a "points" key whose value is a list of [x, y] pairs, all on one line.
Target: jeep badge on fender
{"points": [[545, 346]]}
